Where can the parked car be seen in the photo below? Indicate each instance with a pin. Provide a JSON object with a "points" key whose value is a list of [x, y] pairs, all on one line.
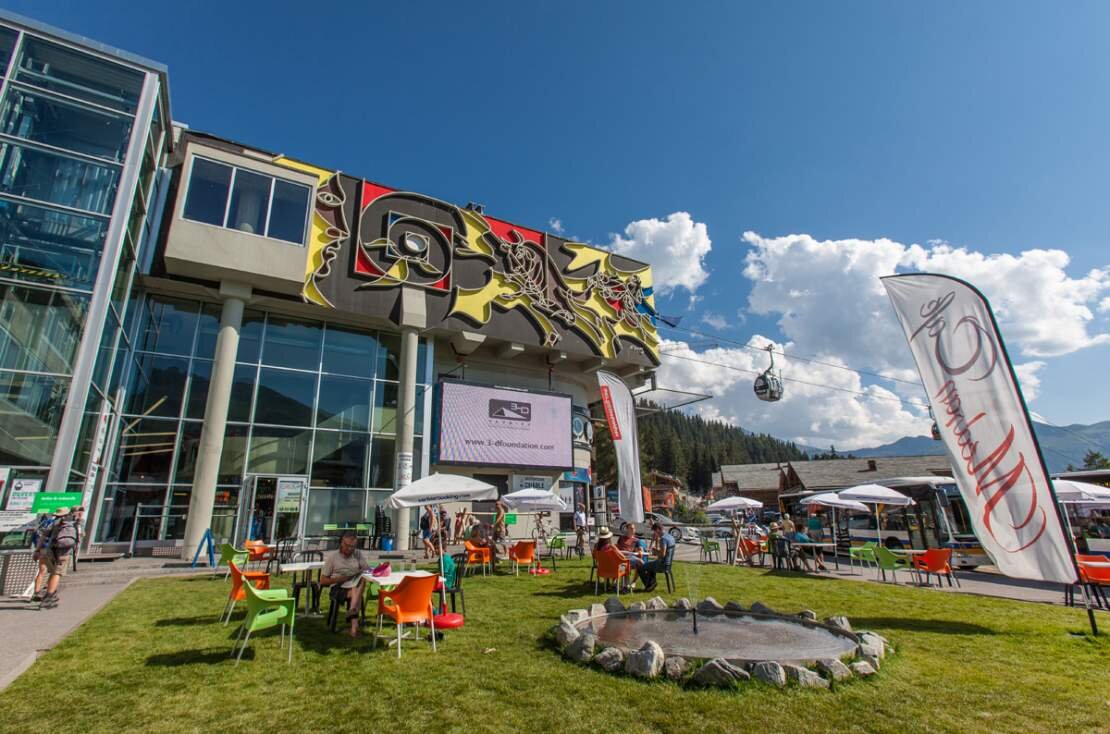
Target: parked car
{"points": [[680, 533]]}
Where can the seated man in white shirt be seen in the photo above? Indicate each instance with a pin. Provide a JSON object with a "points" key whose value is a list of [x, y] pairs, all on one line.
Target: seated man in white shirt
{"points": [[345, 567]]}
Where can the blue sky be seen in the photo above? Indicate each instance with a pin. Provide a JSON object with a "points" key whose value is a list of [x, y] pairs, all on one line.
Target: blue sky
{"points": [[979, 124]]}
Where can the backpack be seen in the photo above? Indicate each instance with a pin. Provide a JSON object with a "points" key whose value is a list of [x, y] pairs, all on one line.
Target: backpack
{"points": [[63, 536], [425, 524]]}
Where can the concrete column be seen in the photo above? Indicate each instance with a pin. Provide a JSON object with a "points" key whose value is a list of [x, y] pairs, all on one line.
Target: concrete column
{"points": [[235, 297], [406, 423]]}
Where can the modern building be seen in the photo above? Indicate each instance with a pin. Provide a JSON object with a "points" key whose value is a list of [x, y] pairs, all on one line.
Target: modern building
{"points": [[196, 334]]}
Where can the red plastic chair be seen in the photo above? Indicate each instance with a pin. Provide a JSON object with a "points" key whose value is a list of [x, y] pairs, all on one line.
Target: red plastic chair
{"points": [[936, 561], [409, 603], [258, 579], [523, 553], [477, 554], [611, 566]]}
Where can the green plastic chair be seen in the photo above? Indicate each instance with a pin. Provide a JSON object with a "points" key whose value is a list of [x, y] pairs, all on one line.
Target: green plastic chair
{"points": [[556, 544], [888, 561], [330, 526], [266, 610], [864, 554], [230, 554], [709, 547]]}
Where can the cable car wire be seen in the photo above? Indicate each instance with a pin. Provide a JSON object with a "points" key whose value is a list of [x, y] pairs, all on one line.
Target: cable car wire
{"points": [[794, 355]]}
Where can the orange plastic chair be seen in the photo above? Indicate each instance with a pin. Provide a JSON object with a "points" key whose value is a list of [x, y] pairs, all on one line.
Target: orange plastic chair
{"points": [[256, 550], [410, 602], [935, 561], [258, 579], [523, 552], [753, 548], [611, 566], [478, 555]]}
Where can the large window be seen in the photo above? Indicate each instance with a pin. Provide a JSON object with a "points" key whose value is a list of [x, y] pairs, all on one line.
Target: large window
{"points": [[306, 398], [75, 74], [247, 201]]}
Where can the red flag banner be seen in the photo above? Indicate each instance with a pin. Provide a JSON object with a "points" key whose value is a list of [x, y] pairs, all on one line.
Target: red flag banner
{"points": [[984, 424]]}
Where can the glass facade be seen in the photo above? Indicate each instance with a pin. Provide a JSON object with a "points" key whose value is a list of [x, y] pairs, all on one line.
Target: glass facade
{"points": [[308, 398], [67, 125]]}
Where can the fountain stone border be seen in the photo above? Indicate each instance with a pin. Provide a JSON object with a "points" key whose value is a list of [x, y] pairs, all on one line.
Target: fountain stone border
{"points": [[650, 661]]}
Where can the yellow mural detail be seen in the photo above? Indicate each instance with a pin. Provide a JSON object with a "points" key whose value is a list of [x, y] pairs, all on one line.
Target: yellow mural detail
{"points": [[323, 233]]}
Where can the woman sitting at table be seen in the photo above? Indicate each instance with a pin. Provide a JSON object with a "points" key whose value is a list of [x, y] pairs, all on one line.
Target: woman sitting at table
{"points": [[633, 549], [800, 537], [605, 545]]}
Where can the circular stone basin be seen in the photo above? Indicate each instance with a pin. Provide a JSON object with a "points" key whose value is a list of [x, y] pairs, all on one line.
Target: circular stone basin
{"points": [[737, 637]]}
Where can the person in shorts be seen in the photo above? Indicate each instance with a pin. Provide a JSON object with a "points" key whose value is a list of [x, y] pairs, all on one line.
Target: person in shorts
{"points": [[55, 539], [343, 569]]}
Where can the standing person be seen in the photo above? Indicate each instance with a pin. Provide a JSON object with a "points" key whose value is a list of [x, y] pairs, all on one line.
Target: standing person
{"points": [[444, 529], [55, 540], [427, 526], [664, 545], [813, 525], [460, 525], [580, 529], [343, 571]]}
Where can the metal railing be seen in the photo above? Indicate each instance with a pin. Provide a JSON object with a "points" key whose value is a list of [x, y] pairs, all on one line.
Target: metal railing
{"points": [[159, 513]]}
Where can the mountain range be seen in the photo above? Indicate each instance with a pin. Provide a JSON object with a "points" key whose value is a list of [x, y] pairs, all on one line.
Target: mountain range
{"points": [[1061, 445]]}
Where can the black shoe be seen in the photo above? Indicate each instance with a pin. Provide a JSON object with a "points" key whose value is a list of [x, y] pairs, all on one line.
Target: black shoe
{"points": [[50, 601], [37, 596], [650, 588]]}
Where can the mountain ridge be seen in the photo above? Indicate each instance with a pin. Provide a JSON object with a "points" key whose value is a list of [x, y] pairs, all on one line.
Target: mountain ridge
{"points": [[1061, 445]]}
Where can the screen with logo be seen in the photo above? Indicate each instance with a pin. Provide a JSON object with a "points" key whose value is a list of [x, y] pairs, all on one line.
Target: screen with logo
{"points": [[478, 424]]}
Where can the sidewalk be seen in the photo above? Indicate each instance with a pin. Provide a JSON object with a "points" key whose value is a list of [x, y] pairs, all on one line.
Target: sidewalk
{"points": [[28, 631]]}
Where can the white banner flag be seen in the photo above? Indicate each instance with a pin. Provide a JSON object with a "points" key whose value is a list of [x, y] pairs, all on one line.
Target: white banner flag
{"points": [[984, 424], [620, 414]]}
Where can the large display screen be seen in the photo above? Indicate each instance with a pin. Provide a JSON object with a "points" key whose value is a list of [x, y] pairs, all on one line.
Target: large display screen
{"points": [[478, 424]]}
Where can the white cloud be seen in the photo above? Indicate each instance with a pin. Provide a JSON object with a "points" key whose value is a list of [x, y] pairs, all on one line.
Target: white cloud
{"points": [[676, 249], [830, 305], [556, 225], [1029, 379], [830, 301], [821, 404], [1104, 305], [716, 320]]}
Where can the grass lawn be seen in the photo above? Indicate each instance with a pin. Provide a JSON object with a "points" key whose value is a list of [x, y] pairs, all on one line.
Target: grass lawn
{"points": [[156, 660]]}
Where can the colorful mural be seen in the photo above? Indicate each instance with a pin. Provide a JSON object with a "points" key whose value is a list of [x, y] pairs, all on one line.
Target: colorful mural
{"points": [[369, 239]]}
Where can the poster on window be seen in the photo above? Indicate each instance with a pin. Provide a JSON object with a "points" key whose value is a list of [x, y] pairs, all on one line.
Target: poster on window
{"points": [[289, 494], [21, 497]]}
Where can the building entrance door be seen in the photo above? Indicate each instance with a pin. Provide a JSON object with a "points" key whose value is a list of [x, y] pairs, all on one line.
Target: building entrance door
{"points": [[271, 507]]}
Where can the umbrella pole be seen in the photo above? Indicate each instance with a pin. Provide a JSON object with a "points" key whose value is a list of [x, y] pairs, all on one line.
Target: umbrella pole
{"points": [[442, 576]]}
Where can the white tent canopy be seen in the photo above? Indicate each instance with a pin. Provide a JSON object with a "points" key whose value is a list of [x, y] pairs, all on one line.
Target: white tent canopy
{"points": [[1068, 490], [440, 488], [832, 499], [732, 504], [534, 500]]}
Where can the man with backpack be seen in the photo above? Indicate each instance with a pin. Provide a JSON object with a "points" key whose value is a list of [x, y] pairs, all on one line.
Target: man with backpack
{"points": [[55, 539]]}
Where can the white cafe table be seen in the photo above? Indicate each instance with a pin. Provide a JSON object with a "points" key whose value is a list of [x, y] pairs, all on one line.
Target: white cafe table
{"points": [[300, 566], [392, 579]]}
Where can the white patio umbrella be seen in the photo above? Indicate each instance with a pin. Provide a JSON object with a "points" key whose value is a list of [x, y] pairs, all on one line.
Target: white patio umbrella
{"points": [[832, 499], [534, 500], [1071, 492], [876, 494], [437, 489], [732, 504]]}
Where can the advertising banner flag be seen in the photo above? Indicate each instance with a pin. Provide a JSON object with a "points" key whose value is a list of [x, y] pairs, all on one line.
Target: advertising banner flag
{"points": [[984, 424], [620, 414]]}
